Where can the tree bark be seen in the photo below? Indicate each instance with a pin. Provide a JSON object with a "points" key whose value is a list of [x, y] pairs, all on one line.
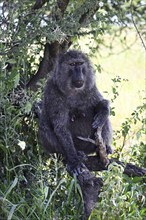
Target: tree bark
{"points": [[46, 65], [93, 164]]}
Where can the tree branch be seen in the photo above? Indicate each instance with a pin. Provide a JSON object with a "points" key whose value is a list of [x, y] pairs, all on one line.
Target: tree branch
{"points": [[38, 4], [94, 164], [46, 64], [90, 7], [62, 5]]}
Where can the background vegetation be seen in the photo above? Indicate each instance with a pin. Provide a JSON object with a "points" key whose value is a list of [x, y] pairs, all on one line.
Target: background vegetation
{"points": [[32, 185]]}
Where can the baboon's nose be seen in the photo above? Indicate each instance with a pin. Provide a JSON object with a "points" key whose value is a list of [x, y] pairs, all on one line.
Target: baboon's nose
{"points": [[79, 83]]}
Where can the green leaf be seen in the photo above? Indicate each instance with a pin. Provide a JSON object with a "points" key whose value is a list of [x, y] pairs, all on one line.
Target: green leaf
{"points": [[11, 212], [16, 80], [11, 61], [28, 107], [12, 186]]}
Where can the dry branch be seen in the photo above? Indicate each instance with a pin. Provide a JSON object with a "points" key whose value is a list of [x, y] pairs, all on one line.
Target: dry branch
{"points": [[94, 164], [102, 148], [99, 144]]}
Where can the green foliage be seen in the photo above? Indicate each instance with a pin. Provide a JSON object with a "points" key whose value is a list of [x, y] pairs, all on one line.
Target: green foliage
{"points": [[132, 131], [39, 191], [121, 198]]}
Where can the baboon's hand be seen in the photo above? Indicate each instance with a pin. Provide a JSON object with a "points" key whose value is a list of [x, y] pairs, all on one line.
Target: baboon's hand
{"points": [[77, 170]]}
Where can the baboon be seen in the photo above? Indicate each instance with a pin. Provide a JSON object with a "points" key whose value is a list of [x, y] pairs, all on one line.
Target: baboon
{"points": [[72, 107]]}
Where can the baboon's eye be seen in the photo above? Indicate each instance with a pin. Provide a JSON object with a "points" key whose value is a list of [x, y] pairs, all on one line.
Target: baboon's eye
{"points": [[80, 63], [76, 64], [72, 64]]}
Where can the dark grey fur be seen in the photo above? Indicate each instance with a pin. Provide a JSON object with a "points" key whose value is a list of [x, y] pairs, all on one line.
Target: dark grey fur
{"points": [[72, 106]]}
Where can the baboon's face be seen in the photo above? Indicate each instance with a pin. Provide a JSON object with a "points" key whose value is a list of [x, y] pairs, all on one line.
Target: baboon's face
{"points": [[74, 72]]}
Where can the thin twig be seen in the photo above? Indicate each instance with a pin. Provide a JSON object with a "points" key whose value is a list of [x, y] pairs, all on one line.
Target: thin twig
{"points": [[136, 28], [87, 140]]}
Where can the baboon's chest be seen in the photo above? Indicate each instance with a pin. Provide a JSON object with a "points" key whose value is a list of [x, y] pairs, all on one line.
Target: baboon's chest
{"points": [[80, 103], [81, 122], [77, 115]]}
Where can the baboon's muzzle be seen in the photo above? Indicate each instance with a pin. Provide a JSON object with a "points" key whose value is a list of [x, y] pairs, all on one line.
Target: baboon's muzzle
{"points": [[78, 83]]}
